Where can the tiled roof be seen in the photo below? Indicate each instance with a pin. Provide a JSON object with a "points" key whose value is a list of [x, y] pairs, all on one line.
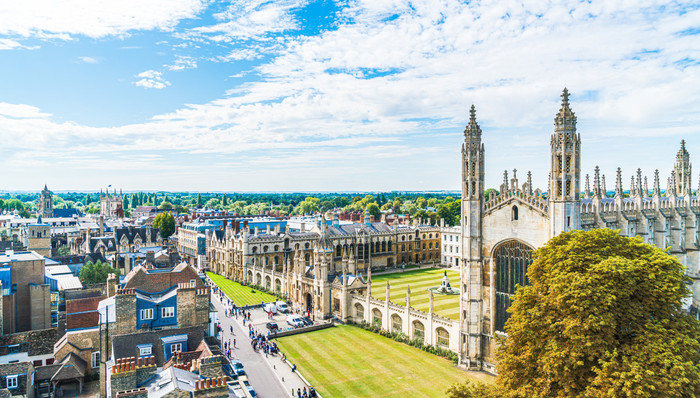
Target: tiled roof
{"points": [[157, 280], [82, 320], [72, 367], [14, 368], [83, 304]]}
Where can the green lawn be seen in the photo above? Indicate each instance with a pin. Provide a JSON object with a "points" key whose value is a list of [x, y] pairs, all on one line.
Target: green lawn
{"points": [[346, 361], [239, 294], [420, 281]]}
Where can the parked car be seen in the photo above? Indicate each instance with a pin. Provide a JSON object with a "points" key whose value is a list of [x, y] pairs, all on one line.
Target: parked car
{"points": [[282, 307], [237, 367], [272, 326], [307, 321], [252, 392], [270, 307], [295, 320]]}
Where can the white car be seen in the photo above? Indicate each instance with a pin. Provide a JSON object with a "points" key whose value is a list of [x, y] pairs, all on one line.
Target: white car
{"points": [[295, 320], [270, 307], [282, 307]]}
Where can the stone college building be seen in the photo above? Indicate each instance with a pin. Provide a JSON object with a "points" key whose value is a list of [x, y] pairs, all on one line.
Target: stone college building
{"points": [[500, 232]]}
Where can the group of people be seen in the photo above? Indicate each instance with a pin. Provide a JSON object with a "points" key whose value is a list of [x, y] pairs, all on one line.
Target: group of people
{"points": [[305, 394], [259, 341]]}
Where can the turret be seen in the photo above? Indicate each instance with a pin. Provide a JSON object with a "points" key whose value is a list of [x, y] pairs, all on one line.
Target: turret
{"points": [[682, 172], [564, 184]]}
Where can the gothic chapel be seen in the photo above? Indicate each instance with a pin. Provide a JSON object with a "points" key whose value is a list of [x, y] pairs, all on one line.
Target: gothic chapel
{"points": [[501, 231]]}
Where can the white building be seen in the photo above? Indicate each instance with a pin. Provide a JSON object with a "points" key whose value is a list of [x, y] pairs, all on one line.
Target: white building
{"points": [[451, 238]]}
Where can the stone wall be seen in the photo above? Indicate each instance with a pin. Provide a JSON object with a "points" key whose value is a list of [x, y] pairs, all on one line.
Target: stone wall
{"points": [[40, 297]]}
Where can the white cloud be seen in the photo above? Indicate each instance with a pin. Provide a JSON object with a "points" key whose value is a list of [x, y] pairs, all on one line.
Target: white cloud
{"points": [[394, 74], [21, 111], [9, 44], [92, 18], [151, 79], [88, 60], [182, 63]]}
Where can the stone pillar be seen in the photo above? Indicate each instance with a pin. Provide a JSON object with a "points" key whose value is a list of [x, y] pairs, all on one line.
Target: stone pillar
{"points": [[407, 314], [429, 327], [387, 318]]}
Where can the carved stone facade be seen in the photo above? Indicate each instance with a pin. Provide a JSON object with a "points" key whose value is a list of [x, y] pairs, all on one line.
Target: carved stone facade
{"points": [[318, 267], [500, 232]]}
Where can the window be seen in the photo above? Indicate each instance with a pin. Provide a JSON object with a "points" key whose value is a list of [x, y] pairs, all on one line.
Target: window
{"points": [[11, 381], [147, 313], [145, 351], [167, 312], [95, 359], [515, 213], [177, 347]]}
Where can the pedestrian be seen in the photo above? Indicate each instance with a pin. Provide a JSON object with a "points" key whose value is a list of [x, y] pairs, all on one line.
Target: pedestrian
{"points": [[234, 343], [299, 392]]}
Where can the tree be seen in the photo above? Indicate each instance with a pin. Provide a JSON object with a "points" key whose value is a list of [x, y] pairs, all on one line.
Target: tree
{"points": [[374, 211], [166, 223], [341, 201], [62, 250], [166, 206], [326, 205], [602, 317], [199, 200], [488, 192], [96, 272]]}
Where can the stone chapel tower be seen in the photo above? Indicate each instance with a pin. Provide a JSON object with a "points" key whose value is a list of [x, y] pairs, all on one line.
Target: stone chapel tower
{"points": [[472, 262], [46, 203], [682, 172], [565, 175]]}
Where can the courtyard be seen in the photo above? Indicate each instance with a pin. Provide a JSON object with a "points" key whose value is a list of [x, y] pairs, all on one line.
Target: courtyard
{"points": [[419, 281], [239, 294], [346, 361]]}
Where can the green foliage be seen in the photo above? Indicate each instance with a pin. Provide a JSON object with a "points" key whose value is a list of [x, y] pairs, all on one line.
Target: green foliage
{"points": [[166, 223], [488, 192], [473, 389], [602, 317], [96, 272], [62, 250], [166, 206], [374, 211], [309, 205]]}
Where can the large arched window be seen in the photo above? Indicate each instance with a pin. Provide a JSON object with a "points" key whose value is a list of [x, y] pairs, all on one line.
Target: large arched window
{"points": [[512, 259], [377, 317], [443, 338], [396, 324]]}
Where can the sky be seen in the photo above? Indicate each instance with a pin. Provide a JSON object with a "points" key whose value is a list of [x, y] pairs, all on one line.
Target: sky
{"points": [[353, 95]]}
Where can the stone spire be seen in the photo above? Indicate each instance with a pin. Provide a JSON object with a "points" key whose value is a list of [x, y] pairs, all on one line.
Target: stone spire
{"points": [[671, 189], [504, 186], [646, 188], [633, 187], [565, 120], [596, 182], [408, 296], [657, 184], [604, 194], [682, 172], [639, 183], [472, 130], [529, 183], [587, 188], [618, 183]]}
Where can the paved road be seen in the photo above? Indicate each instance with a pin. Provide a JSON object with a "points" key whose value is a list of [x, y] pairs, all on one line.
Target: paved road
{"points": [[264, 379]]}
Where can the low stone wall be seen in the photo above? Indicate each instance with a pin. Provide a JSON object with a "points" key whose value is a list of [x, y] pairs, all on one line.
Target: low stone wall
{"points": [[301, 330]]}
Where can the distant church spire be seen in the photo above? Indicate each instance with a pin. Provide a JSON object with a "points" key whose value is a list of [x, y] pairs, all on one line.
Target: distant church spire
{"points": [[682, 172], [618, 183]]}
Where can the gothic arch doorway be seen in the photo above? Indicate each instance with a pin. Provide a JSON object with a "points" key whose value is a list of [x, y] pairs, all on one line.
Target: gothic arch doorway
{"points": [[309, 302], [511, 260]]}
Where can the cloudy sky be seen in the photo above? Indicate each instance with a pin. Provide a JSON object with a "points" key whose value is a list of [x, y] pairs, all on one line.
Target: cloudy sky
{"points": [[296, 95]]}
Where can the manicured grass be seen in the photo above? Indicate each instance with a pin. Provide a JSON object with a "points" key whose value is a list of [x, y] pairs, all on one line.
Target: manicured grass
{"points": [[419, 281], [239, 294], [346, 361]]}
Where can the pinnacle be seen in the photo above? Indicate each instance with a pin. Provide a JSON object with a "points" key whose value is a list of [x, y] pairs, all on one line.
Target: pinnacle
{"points": [[565, 97], [472, 114], [472, 128]]}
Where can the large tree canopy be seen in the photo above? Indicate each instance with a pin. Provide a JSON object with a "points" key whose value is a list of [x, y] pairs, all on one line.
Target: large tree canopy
{"points": [[602, 317], [96, 272], [166, 223]]}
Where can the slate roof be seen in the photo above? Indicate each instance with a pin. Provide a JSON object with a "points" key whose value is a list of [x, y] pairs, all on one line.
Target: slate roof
{"points": [[145, 234], [16, 368], [125, 345], [154, 281], [170, 380], [46, 372], [108, 241], [34, 342], [65, 213]]}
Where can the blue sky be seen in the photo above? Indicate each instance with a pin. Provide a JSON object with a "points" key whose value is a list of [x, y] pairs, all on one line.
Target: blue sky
{"points": [[298, 95]]}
